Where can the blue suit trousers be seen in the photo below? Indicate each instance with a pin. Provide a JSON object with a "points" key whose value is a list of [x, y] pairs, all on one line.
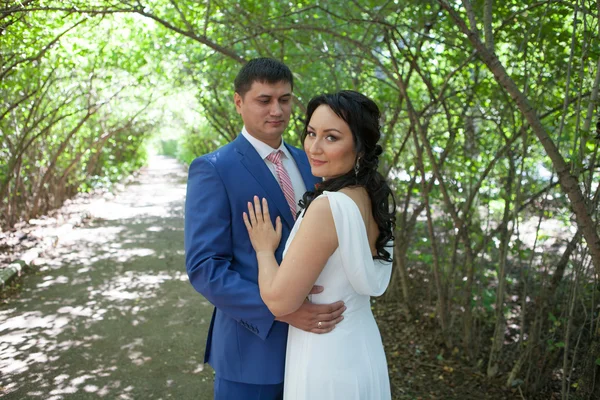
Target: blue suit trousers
{"points": [[229, 390]]}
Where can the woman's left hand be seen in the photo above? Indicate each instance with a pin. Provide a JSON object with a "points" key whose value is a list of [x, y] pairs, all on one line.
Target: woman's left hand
{"points": [[260, 228]]}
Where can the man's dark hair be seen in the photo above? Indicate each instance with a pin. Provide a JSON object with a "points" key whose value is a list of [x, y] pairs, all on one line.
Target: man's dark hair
{"points": [[262, 70]]}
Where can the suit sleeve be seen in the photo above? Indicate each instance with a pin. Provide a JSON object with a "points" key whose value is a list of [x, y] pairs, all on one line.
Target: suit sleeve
{"points": [[209, 251]]}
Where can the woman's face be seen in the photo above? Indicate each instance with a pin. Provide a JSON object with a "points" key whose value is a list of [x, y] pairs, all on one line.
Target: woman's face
{"points": [[329, 144]]}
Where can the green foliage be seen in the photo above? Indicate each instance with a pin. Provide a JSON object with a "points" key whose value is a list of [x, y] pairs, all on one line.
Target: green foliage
{"points": [[77, 102], [168, 147], [195, 144]]}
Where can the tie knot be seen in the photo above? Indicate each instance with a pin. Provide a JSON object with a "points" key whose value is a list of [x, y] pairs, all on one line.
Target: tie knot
{"points": [[275, 157]]}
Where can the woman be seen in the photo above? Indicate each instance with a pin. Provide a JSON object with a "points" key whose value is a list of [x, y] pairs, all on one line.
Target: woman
{"points": [[341, 241]]}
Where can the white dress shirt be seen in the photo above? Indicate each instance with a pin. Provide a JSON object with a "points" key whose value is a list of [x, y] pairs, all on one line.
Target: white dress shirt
{"points": [[289, 164]]}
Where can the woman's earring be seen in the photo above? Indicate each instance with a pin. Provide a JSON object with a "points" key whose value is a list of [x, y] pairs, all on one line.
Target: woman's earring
{"points": [[356, 167]]}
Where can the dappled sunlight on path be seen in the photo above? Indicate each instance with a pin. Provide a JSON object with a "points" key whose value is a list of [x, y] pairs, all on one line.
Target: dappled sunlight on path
{"points": [[111, 313]]}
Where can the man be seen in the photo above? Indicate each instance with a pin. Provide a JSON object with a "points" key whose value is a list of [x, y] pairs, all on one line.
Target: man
{"points": [[246, 345]]}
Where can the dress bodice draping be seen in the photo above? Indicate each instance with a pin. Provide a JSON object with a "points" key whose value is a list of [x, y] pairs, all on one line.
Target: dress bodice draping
{"points": [[348, 362]]}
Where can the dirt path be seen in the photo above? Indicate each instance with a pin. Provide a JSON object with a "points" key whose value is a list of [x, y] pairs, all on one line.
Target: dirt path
{"points": [[111, 314]]}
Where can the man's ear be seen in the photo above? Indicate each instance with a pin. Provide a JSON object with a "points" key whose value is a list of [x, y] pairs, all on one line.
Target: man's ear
{"points": [[237, 99]]}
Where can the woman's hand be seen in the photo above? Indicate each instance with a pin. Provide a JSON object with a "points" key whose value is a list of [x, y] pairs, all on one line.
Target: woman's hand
{"points": [[260, 228]]}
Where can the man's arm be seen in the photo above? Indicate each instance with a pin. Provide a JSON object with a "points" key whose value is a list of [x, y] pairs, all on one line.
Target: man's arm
{"points": [[209, 251], [308, 316]]}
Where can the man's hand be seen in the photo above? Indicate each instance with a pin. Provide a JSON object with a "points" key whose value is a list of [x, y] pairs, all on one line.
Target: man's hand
{"points": [[315, 318]]}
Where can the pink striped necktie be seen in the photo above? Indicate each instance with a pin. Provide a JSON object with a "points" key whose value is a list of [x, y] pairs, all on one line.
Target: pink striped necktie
{"points": [[284, 180]]}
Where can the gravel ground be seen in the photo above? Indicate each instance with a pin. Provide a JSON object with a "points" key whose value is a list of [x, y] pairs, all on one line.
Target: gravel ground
{"points": [[108, 311]]}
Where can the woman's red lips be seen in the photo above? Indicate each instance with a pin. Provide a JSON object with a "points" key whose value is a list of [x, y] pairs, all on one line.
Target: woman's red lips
{"points": [[317, 162]]}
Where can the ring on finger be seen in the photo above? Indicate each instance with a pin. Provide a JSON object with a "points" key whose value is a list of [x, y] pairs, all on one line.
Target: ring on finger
{"points": [[319, 325]]}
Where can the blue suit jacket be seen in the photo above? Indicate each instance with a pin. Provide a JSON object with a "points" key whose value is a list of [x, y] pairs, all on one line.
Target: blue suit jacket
{"points": [[245, 343]]}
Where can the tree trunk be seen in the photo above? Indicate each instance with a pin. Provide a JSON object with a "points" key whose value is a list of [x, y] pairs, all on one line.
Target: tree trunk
{"points": [[498, 338], [568, 182], [442, 300]]}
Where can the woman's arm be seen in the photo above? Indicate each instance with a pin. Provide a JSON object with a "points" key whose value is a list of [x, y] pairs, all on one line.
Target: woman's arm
{"points": [[283, 288]]}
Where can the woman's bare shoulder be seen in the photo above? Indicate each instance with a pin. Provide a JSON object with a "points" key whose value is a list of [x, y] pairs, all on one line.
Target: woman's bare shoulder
{"points": [[319, 212]]}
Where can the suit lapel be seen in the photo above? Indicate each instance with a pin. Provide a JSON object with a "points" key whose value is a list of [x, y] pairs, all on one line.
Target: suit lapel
{"points": [[257, 167]]}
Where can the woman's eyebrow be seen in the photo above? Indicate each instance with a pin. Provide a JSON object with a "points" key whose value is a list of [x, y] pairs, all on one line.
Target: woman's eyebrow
{"points": [[326, 130]]}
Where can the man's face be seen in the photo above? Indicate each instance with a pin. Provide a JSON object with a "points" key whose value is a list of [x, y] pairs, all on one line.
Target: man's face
{"points": [[265, 110]]}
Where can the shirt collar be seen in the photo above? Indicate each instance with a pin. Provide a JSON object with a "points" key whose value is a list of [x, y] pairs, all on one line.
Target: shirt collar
{"points": [[264, 149]]}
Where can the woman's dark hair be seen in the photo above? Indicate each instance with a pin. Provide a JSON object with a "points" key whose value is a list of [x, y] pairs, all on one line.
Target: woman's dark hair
{"points": [[262, 70], [362, 116]]}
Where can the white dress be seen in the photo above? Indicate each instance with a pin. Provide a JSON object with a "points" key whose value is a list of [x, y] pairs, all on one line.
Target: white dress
{"points": [[349, 362]]}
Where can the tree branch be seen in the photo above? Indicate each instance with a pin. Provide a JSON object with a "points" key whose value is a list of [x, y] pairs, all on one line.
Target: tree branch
{"points": [[567, 181], [488, 30]]}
